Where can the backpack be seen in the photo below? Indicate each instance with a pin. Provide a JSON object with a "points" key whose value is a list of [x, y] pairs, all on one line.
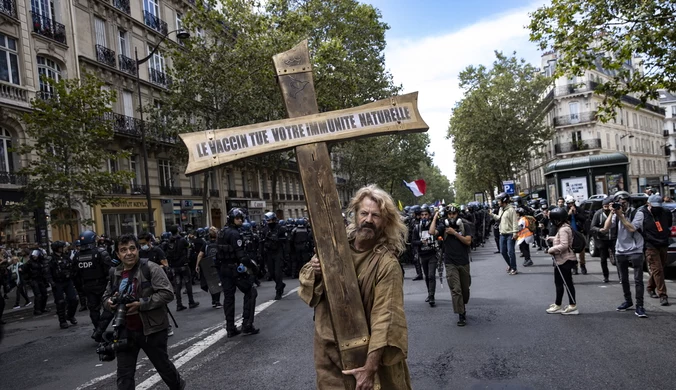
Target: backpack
{"points": [[532, 223], [579, 242]]}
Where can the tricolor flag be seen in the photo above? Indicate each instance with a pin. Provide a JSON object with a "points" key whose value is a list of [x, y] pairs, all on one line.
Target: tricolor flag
{"points": [[437, 203], [417, 187], [400, 205]]}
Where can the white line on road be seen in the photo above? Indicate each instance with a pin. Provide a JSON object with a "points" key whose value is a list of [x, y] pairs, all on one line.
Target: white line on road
{"points": [[191, 352]]}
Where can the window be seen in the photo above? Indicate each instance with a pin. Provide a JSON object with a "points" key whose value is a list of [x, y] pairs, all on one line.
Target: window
{"points": [[49, 69], [100, 30], [6, 157], [179, 21], [634, 117], [151, 7], [166, 179], [673, 111], [112, 165], [106, 88], [608, 141], [231, 181], [128, 103], [574, 110], [123, 42], [118, 224], [9, 64], [245, 182], [43, 7], [136, 169]]}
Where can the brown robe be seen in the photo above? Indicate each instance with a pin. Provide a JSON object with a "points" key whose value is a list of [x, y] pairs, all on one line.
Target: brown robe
{"points": [[381, 284]]}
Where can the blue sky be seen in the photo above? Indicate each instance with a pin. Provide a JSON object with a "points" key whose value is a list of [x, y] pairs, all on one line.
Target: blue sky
{"points": [[431, 41]]}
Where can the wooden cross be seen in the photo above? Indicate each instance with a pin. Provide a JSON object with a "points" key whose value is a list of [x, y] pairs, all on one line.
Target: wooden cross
{"points": [[308, 131]]}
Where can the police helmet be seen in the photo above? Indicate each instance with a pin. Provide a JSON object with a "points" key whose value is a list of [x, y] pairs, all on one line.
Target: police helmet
{"points": [[406, 209], [517, 200], [88, 237], [426, 209], [558, 215], [520, 211], [235, 213], [77, 243], [301, 222], [200, 232], [58, 244], [166, 235], [270, 217], [503, 197], [290, 221], [622, 195], [416, 210], [544, 207], [246, 226], [282, 222], [253, 224]]}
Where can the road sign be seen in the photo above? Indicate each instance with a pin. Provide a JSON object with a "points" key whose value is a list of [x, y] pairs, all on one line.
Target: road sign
{"points": [[509, 187]]}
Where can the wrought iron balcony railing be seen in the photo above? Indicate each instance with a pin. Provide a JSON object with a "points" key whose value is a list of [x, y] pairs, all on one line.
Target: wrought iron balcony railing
{"points": [[49, 28], [127, 65], [139, 189], [155, 23], [586, 144], [572, 119], [12, 178], [119, 190], [8, 7], [266, 195], [105, 56], [122, 5], [197, 191], [214, 193], [232, 194], [170, 190], [159, 78]]}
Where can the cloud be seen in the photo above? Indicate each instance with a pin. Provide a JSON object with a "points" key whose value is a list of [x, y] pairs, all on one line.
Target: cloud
{"points": [[431, 66]]}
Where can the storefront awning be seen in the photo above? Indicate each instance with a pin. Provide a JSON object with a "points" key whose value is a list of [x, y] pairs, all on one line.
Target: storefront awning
{"points": [[594, 161]]}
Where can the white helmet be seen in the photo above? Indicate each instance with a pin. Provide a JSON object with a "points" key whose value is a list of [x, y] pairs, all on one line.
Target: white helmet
{"points": [[570, 199]]}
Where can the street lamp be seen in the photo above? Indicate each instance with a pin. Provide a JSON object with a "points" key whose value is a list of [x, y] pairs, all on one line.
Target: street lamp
{"points": [[180, 34]]}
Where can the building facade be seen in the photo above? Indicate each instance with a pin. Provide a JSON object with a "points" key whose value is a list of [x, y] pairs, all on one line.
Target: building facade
{"points": [[65, 39], [572, 112], [668, 102]]}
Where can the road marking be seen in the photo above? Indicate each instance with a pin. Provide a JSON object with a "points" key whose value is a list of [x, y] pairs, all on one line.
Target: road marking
{"points": [[189, 353]]}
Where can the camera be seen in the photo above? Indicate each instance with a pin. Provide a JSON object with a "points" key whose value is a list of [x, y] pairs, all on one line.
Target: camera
{"points": [[117, 339], [617, 205]]}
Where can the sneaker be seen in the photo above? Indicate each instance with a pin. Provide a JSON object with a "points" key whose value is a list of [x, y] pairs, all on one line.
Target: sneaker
{"points": [[16, 307], [509, 269], [462, 320], [28, 304], [496, 252], [664, 301], [217, 305], [193, 305], [653, 294], [554, 309], [624, 306], [575, 271], [640, 312], [583, 269], [528, 263], [170, 332], [250, 330], [570, 310], [513, 272], [233, 332], [419, 277], [606, 280]]}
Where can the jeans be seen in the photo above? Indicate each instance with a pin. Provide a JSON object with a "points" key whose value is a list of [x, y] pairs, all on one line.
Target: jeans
{"points": [[657, 260], [429, 266], [564, 274], [459, 280], [230, 281], [182, 276], [507, 249], [525, 249], [605, 248], [155, 347], [21, 292], [623, 262]]}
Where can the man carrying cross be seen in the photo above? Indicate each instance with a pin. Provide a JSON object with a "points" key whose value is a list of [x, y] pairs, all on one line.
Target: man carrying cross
{"points": [[377, 237]]}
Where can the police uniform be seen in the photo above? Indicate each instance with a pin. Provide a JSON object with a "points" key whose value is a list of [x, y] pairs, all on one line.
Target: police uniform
{"points": [[230, 255], [92, 266], [176, 250], [301, 240], [35, 272], [63, 289], [424, 241], [273, 246]]}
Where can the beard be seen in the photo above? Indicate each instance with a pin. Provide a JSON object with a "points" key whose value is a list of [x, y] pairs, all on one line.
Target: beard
{"points": [[367, 231]]}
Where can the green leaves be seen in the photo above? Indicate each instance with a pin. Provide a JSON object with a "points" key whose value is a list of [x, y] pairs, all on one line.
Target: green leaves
{"points": [[498, 125], [632, 41]]}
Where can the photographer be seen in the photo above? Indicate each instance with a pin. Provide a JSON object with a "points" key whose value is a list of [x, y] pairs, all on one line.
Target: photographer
{"points": [[144, 290], [605, 242], [575, 223], [456, 257]]}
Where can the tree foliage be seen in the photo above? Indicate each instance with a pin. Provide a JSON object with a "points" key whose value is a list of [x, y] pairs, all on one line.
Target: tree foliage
{"points": [[608, 35], [69, 134], [499, 123], [227, 79]]}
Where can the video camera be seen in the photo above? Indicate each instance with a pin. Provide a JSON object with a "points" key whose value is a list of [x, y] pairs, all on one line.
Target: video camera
{"points": [[616, 205], [117, 339]]}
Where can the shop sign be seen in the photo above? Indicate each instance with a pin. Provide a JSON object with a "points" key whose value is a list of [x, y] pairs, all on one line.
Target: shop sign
{"points": [[127, 204], [257, 204]]}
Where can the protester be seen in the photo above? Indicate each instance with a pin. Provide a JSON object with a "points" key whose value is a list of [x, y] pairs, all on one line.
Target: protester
{"points": [[565, 262]]}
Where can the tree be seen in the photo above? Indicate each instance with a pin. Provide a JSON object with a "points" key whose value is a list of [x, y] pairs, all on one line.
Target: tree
{"points": [[609, 35], [233, 82], [498, 124], [68, 135]]}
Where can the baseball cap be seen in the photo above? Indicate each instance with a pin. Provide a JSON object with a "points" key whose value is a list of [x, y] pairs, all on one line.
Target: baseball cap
{"points": [[655, 200]]}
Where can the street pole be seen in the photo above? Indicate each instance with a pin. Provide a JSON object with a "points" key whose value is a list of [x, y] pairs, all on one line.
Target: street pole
{"points": [[151, 222]]}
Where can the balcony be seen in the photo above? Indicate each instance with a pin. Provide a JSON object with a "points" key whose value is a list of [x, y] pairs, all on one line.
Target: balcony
{"points": [[214, 193], [127, 65], [665, 133], [302, 197], [637, 102], [247, 194], [118, 190], [266, 195], [295, 197], [105, 56], [671, 164], [122, 5], [170, 190], [13, 92], [232, 194], [48, 28], [255, 194], [568, 147], [160, 78], [570, 89], [8, 7], [573, 119], [139, 189], [155, 23], [123, 124], [13, 178], [197, 191]]}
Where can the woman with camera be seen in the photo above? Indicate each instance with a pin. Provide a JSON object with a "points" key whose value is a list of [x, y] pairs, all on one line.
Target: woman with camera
{"points": [[564, 259]]}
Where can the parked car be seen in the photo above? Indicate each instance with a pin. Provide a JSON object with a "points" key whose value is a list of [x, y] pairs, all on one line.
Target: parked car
{"points": [[586, 211], [671, 251], [638, 200], [598, 196]]}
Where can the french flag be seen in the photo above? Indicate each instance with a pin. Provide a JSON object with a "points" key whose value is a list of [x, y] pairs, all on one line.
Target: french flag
{"points": [[417, 187]]}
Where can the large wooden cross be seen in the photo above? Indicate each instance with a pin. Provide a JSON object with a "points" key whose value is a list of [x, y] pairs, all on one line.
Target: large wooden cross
{"points": [[308, 131]]}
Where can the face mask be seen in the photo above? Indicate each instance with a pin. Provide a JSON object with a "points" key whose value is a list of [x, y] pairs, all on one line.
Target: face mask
{"points": [[145, 247]]}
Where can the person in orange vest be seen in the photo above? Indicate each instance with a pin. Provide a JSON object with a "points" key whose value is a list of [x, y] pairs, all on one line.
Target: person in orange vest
{"points": [[525, 235]]}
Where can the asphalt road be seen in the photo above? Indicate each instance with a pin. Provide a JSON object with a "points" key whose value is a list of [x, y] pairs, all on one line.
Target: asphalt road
{"points": [[509, 342]]}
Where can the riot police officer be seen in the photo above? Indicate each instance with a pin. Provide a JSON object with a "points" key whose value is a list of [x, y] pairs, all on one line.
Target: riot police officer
{"points": [[60, 277], [206, 260], [35, 274], [250, 242], [302, 246], [236, 272], [176, 249], [274, 239], [92, 266]]}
